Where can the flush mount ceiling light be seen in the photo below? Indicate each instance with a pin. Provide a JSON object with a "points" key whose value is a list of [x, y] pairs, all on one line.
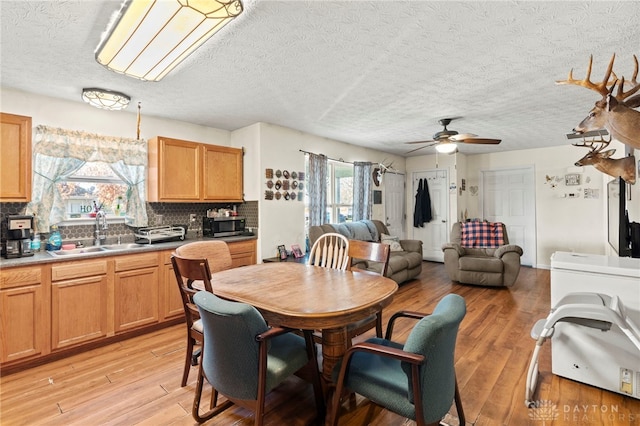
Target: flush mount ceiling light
{"points": [[446, 147], [149, 38], [105, 99]]}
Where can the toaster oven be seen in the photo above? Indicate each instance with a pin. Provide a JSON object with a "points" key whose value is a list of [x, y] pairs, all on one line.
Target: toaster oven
{"points": [[214, 227]]}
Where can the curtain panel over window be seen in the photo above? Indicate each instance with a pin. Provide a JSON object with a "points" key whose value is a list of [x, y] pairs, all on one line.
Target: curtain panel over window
{"points": [[58, 153], [362, 192], [317, 189]]}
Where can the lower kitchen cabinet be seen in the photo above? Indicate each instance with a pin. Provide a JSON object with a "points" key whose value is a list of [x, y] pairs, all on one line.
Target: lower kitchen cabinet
{"points": [[243, 253], [49, 309], [170, 298], [23, 313], [79, 303], [136, 291]]}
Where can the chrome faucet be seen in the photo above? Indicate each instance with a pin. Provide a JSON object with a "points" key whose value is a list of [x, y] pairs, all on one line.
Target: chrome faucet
{"points": [[101, 223]]}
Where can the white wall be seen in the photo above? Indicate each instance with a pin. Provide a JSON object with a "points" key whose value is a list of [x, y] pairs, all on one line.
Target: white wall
{"points": [[282, 222], [562, 223], [81, 116]]}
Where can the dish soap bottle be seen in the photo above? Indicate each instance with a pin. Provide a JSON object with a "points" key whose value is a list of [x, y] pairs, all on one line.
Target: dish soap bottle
{"points": [[55, 240]]}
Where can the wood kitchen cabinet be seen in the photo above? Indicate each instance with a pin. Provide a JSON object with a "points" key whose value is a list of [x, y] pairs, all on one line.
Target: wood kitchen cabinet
{"points": [[136, 291], [79, 302], [15, 158], [170, 298], [182, 171], [243, 253], [222, 174], [24, 313]]}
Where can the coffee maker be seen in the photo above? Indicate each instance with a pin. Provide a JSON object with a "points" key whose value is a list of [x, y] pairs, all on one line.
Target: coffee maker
{"points": [[18, 242]]}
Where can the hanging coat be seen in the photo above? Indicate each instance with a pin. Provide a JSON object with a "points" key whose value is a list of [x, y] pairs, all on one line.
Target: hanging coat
{"points": [[417, 210], [427, 216]]}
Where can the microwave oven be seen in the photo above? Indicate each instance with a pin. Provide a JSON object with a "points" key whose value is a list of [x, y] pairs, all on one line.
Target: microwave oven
{"points": [[214, 227]]}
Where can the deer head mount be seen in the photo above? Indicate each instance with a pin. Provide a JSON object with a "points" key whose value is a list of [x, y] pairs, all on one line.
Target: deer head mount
{"points": [[614, 113], [622, 167]]}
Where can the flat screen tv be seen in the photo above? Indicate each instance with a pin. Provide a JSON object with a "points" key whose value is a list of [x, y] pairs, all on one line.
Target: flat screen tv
{"points": [[617, 219]]}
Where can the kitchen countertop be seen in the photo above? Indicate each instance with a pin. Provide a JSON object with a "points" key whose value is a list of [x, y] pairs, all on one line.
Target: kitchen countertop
{"points": [[44, 257]]}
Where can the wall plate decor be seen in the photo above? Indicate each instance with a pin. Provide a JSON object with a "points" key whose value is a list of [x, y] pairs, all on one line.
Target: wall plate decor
{"points": [[278, 173], [294, 175], [269, 184], [286, 195], [285, 174], [278, 195], [294, 184], [293, 195], [268, 195], [285, 184], [278, 184], [268, 173]]}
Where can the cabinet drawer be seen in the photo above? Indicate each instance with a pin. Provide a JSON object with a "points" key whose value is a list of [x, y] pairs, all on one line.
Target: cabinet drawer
{"points": [[242, 247], [78, 270], [18, 277], [136, 261]]}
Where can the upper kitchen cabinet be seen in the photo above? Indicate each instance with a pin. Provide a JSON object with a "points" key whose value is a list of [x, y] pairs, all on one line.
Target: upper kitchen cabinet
{"points": [[222, 178], [15, 158], [183, 171]]}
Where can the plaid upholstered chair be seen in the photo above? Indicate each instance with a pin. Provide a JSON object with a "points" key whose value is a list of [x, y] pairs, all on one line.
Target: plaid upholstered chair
{"points": [[479, 253]]}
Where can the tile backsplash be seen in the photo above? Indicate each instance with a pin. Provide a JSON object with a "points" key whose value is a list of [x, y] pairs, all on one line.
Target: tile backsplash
{"points": [[158, 214]]}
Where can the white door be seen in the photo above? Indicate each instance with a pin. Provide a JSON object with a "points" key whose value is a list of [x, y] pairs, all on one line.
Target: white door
{"points": [[508, 196], [436, 232], [394, 203]]}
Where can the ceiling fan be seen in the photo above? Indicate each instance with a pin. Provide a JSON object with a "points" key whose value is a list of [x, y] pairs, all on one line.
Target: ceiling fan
{"points": [[446, 140]]}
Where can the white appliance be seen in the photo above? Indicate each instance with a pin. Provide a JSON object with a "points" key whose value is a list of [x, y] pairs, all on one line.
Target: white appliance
{"points": [[606, 359]]}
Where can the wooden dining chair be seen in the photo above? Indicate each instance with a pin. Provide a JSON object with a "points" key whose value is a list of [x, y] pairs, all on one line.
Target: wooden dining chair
{"points": [[331, 250], [244, 358], [365, 253], [215, 251], [189, 271]]}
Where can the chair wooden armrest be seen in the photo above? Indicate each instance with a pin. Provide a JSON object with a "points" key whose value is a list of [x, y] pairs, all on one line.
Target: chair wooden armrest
{"points": [[402, 314]]}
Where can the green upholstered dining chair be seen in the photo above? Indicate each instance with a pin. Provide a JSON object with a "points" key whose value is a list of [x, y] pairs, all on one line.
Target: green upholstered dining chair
{"points": [[416, 380], [243, 358]]}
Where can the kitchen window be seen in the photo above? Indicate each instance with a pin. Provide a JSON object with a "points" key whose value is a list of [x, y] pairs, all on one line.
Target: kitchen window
{"points": [[71, 167], [94, 186]]}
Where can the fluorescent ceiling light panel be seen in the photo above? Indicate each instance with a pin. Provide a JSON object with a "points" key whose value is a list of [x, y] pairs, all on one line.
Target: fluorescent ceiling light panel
{"points": [[150, 38]]}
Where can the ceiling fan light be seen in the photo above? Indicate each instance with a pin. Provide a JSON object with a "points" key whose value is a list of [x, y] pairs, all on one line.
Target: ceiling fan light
{"points": [[105, 99], [446, 147], [150, 38]]}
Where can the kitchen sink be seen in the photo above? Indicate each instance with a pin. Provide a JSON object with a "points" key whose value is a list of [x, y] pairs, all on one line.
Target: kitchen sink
{"points": [[94, 250], [77, 251], [124, 246]]}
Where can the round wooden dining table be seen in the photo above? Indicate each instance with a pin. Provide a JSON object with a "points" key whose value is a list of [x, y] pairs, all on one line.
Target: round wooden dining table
{"points": [[308, 297]]}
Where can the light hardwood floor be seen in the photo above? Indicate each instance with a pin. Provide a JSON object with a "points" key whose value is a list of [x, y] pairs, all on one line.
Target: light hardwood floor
{"points": [[137, 381]]}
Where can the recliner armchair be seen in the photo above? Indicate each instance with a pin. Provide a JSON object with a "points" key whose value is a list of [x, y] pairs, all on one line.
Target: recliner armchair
{"points": [[489, 266]]}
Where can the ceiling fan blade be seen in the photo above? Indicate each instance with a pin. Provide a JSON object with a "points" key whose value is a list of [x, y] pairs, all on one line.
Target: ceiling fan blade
{"points": [[462, 136], [427, 141], [426, 146], [483, 141]]}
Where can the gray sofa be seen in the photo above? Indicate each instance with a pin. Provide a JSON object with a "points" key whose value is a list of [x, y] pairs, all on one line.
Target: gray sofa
{"points": [[403, 265]]}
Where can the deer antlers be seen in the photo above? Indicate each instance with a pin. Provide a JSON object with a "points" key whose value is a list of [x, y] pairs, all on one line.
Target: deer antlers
{"points": [[608, 82], [600, 144]]}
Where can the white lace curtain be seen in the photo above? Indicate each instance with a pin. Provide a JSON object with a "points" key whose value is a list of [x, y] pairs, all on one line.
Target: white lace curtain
{"points": [[362, 192], [58, 153]]}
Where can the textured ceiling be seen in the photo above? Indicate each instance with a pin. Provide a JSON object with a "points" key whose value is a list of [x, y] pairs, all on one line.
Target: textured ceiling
{"points": [[372, 73]]}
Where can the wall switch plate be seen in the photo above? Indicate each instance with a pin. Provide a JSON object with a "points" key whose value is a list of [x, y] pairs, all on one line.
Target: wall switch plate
{"points": [[192, 217], [159, 219]]}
